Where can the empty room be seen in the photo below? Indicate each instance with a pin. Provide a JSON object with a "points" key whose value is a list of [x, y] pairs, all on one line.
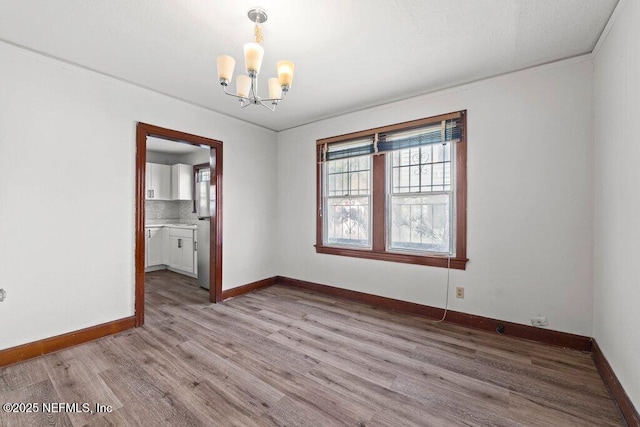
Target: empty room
{"points": [[333, 213]]}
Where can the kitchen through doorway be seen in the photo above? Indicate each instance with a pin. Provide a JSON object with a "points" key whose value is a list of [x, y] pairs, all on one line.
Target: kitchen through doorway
{"points": [[178, 209]]}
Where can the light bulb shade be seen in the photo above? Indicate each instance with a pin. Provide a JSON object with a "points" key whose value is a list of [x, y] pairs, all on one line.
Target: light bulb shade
{"points": [[285, 72], [275, 91], [243, 85], [253, 54], [226, 64]]}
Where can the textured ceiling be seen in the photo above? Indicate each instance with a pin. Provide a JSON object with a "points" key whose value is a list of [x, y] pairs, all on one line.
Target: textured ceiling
{"points": [[349, 54]]}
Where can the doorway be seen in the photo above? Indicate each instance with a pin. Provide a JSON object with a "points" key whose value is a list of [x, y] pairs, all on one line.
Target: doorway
{"points": [[143, 131]]}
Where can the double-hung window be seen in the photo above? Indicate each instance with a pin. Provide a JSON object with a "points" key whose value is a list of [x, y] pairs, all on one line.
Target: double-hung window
{"points": [[395, 193], [348, 197]]}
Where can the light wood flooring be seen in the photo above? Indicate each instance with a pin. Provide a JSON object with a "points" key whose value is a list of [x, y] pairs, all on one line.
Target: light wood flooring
{"points": [[282, 356]]}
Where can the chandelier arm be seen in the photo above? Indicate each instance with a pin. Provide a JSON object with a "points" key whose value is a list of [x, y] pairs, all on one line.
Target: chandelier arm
{"points": [[224, 87], [268, 107], [284, 95]]}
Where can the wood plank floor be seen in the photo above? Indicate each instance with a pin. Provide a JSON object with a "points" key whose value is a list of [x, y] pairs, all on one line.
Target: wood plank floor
{"points": [[283, 356]]}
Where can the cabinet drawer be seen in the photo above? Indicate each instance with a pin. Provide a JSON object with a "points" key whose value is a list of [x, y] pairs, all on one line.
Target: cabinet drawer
{"points": [[181, 232]]}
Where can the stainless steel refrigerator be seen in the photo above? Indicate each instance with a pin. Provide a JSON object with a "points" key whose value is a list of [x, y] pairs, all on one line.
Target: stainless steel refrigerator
{"points": [[203, 210]]}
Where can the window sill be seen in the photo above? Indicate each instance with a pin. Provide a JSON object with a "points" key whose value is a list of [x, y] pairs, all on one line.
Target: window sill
{"points": [[433, 261]]}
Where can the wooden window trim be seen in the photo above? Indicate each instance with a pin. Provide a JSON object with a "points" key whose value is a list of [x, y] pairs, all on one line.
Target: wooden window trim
{"points": [[378, 238]]}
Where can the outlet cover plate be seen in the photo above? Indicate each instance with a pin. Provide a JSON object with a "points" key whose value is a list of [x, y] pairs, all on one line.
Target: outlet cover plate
{"points": [[459, 292], [539, 321]]}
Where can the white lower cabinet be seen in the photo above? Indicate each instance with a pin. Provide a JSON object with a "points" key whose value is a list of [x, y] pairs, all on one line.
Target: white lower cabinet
{"points": [[172, 247], [154, 246], [181, 249]]}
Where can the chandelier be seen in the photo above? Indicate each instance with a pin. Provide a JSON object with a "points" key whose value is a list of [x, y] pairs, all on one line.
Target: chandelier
{"points": [[247, 85]]}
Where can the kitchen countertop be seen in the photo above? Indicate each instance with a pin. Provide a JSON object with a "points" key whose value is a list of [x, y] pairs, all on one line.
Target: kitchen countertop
{"points": [[187, 226]]}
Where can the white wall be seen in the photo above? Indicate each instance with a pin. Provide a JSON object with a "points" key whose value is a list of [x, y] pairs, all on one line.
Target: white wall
{"points": [[67, 151], [617, 198], [530, 200]]}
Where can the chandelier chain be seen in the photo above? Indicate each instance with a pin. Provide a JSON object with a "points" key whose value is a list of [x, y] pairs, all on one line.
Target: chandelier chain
{"points": [[257, 31]]}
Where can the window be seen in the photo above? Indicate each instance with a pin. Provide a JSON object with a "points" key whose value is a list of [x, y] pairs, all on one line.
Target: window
{"points": [[201, 173], [348, 200], [395, 193]]}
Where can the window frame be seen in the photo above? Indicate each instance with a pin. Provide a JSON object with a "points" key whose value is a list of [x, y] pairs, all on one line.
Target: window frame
{"points": [[379, 204], [369, 196], [450, 193], [196, 169]]}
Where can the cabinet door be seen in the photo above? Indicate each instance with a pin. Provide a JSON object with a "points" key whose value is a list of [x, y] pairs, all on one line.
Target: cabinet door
{"points": [[175, 252], [181, 253], [182, 182], [195, 253], [166, 246], [154, 246], [187, 255], [161, 179], [147, 182]]}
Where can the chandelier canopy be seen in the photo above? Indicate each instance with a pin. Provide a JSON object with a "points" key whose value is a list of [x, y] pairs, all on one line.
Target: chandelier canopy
{"points": [[247, 85]]}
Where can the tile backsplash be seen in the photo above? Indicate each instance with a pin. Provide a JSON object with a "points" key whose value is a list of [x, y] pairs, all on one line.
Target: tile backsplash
{"points": [[168, 211]]}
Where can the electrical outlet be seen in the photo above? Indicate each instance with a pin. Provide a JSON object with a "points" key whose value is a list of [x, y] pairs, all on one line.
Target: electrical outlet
{"points": [[3, 294], [460, 292], [539, 321]]}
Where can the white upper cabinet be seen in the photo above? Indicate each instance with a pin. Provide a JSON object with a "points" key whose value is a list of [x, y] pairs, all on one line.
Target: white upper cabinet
{"points": [[182, 182], [158, 182]]}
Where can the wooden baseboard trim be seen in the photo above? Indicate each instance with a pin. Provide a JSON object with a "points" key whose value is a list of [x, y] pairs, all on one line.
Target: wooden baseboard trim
{"points": [[545, 336], [629, 412], [30, 350], [250, 287]]}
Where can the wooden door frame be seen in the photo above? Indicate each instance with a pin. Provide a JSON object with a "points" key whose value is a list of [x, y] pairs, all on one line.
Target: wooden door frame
{"points": [[144, 130]]}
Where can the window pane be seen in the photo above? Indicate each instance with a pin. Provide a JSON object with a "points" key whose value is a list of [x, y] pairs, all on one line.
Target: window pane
{"points": [[422, 169], [426, 174], [438, 152], [348, 177], [447, 176], [348, 221], [420, 223], [415, 156], [204, 175], [438, 174], [403, 183]]}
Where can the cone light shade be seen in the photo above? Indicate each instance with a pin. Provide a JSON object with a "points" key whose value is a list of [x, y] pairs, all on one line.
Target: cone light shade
{"points": [[285, 72], [226, 64], [253, 54], [243, 85], [275, 91]]}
